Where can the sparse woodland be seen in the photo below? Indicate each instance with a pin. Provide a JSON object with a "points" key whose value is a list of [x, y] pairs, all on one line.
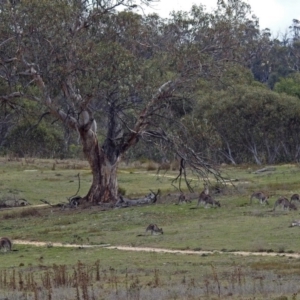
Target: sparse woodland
{"points": [[96, 80], [106, 104]]}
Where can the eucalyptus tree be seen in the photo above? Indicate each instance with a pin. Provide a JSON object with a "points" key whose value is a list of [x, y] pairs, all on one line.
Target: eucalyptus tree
{"points": [[254, 124], [137, 75], [289, 85], [281, 57]]}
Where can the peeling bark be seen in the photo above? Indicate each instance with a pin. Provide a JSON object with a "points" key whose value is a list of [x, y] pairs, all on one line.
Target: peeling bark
{"points": [[104, 188]]}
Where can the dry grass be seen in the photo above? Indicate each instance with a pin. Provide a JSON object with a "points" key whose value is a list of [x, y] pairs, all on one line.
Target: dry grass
{"points": [[89, 281]]}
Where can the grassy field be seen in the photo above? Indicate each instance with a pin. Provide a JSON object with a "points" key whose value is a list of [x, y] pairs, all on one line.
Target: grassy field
{"points": [[52, 272]]}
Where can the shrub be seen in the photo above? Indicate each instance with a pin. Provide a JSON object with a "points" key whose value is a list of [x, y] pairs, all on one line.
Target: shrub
{"points": [[151, 166], [27, 140]]}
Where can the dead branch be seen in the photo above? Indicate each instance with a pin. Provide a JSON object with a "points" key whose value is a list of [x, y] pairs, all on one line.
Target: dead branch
{"points": [[149, 199], [46, 202], [266, 169]]}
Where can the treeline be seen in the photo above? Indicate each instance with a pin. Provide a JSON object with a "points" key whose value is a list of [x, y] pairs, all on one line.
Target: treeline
{"points": [[239, 100], [251, 124]]}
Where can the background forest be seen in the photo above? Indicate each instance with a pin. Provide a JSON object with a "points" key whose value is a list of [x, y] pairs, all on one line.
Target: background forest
{"points": [[239, 99]]}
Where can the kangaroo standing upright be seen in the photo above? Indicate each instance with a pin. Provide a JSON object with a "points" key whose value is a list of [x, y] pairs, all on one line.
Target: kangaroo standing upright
{"points": [[203, 195]]}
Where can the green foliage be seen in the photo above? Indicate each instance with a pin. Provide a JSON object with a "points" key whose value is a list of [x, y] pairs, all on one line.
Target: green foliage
{"points": [[289, 85], [253, 123], [34, 141], [233, 75], [117, 61], [75, 151], [121, 191]]}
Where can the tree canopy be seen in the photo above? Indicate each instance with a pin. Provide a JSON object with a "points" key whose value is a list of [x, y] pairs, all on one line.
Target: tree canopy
{"points": [[186, 85]]}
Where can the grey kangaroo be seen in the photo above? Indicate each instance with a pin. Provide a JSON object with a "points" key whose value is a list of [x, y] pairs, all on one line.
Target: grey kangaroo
{"points": [[295, 197], [262, 197], [154, 229], [182, 198], [284, 203], [5, 244]]}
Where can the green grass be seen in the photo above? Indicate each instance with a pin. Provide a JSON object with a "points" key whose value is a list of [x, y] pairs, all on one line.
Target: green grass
{"points": [[244, 228], [236, 226]]}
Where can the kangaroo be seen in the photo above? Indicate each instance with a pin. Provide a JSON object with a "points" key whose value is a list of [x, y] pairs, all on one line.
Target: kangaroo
{"points": [[208, 200], [5, 244], [203, 195], [285, 203], [212, 202], [295, 197], [295, 223], [262, 197], [154, 229], [183, 198]]}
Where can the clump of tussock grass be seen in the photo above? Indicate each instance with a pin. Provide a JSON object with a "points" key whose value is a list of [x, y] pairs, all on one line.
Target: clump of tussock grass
{"points": [[24, 213], [175, 165], [151, 166], [121, 191], [259, 246], [87, 280], [164, 166], [259, 213]]}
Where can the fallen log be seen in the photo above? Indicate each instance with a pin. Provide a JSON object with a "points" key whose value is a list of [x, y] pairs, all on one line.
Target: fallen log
{"points": [[148, 199], [14, 202], [264, 170]]}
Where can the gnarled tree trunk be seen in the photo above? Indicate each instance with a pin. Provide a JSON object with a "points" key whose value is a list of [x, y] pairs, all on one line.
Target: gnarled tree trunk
{"points": [[104, 188]]}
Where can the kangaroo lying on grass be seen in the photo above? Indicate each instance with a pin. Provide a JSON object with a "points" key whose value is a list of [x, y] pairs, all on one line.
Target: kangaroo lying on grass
{"points": [[154, 229], [5, 244], [295, 223]]}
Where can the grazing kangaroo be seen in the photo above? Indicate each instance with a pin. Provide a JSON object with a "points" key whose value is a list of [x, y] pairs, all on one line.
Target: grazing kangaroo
{"points": [[208, 200], [262, 197], [295, 197], [5, 244], [154, 229], [212, 201], [183, 198], [285, 203]]}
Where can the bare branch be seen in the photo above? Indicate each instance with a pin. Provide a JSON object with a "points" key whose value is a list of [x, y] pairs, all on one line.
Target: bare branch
{"points": [[66, 118], [6, 41], [10, 96], [163, 92], [9, 60]]}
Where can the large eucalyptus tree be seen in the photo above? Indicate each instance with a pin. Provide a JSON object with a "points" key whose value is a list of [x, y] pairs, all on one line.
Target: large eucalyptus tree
{"points": [[136, 75]]}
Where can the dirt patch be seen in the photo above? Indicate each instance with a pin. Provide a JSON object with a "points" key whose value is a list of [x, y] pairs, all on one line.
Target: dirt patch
{"points": [[201, 252], [49, 244], [148, 249]]}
